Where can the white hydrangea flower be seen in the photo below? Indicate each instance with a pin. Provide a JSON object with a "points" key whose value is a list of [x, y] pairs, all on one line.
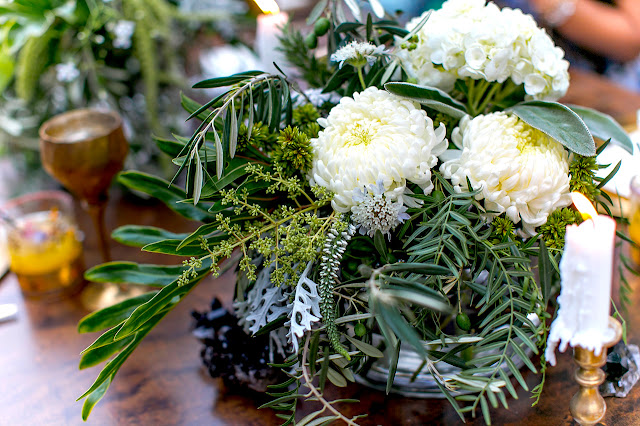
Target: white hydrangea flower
{"points": [[376, 211], [473, 38], [67, 72], [375, 136], [358, 54], [522, 172]]}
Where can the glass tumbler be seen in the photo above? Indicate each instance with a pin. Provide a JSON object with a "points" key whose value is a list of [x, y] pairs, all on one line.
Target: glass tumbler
{"points": [[44, 244]]}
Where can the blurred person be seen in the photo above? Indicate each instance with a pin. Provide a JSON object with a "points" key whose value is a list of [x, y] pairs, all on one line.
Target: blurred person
{"points": [[601, 35]]}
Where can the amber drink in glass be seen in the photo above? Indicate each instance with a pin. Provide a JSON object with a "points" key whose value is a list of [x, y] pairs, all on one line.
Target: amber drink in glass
{"points": [[44, 244]]}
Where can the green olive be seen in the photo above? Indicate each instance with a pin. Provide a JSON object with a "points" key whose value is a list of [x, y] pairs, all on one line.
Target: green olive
{"points": [[311, 41], [437, 196], [321, 27], [466, 274], [360, 329], [463, 321]]}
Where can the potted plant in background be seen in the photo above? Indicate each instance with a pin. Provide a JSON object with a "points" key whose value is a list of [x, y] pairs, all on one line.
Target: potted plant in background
{"points": [[59, 55]]}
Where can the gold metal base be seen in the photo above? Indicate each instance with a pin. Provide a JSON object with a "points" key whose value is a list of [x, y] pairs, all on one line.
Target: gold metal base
{"points": [[587, 405], [97, 296]]}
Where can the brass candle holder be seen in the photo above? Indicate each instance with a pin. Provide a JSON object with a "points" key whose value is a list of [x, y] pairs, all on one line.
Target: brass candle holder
{"points": [[587, 405]]}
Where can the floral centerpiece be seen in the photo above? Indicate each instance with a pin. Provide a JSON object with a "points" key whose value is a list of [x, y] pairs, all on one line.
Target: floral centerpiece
{"points": [[415, 196]]}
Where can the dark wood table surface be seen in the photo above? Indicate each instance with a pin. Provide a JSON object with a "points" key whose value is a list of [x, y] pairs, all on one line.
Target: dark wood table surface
{"points": [[163, 382]]}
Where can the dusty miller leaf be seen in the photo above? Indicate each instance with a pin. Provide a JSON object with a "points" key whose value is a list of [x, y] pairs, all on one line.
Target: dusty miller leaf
{"points": [[264, 303], [307, 304]]}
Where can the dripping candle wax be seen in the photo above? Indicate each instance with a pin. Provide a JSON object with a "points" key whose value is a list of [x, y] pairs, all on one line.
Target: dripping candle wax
{"points": [[585, 271]]}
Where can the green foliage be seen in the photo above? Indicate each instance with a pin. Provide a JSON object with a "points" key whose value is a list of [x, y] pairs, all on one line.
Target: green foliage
{"points": [[334, 247], [582, 171], [314, 71], [558, 122], [259, 138], [32, 60], [138, 11], [293, 153], [603, 126], [305, 114], [503, 230], [430, 97], [450, 234], [553, 231]]}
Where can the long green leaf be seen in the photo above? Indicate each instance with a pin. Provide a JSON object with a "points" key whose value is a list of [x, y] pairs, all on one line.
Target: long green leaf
{"points": [[316, 12], [170, 147], [558, 122], [171, 247], [393, 365], [94, 397], [402, 328], [365, 348], [112, 367], [140, 236], [112, 315], [198, 110], [159, 301], [226, 81], [130, 272], [431, 97], [169, 194], [603, 126], [336, 378], [545, 271], [234, 170], [96, 356], [414, 297], [421, 268]]}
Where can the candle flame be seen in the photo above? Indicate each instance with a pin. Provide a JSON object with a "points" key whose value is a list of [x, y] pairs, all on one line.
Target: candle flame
{"points": [[583, 205], [268, 6]]}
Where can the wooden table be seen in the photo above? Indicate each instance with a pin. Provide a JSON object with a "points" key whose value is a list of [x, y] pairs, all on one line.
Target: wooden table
{"points": [[163, 382]]}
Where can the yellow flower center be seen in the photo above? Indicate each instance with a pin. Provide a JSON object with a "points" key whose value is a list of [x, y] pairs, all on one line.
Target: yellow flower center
{"points": [[532, 140], [359, 135]]}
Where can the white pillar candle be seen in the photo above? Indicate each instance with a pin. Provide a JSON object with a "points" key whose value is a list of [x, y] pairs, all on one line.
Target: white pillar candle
{"points": [[585, 272], [269, 29]]}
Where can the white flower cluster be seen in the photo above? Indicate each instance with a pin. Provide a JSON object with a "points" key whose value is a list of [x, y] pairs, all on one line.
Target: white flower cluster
{"points": [[67, 72], [123, 31], [358, 54], [375, 136], [376, 212], [521, 171], [472, 38]]}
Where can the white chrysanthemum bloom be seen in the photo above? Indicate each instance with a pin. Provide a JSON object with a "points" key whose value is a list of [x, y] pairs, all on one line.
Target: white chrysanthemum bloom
{"points": [[376, 211], [472, 38], [375, 136], [358, 54], [522, 172]]}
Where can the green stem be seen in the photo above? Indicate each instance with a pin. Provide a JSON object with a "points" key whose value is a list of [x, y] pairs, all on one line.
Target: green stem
{"points": [[489, 97], [361, 77], [471, 84], [507, 89]]}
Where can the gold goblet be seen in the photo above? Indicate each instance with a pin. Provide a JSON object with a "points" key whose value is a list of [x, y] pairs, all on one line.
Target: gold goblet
{"points": [[84, 149]]}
